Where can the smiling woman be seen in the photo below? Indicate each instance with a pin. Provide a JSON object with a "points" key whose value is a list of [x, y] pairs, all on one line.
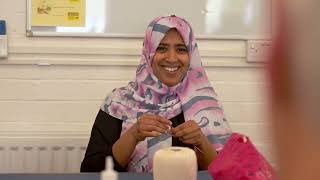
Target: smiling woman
{"points": [[171, 61], [169, 103]]}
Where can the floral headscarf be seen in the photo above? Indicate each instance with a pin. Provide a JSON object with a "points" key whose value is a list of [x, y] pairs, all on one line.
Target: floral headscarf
{"points": [[193, 96]]}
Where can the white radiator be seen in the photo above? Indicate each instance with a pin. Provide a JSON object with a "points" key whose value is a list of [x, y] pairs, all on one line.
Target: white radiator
{"points": [[42, 155]]}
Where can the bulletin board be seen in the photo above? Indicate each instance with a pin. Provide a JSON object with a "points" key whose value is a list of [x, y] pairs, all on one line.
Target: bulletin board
{"points": [[210, 19]]}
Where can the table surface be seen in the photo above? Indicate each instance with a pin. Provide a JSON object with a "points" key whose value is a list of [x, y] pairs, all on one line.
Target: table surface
{"points": [[202, 175]]}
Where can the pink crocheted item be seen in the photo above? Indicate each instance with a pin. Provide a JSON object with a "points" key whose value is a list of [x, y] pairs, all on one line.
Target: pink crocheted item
{"points": [[240, 160]]}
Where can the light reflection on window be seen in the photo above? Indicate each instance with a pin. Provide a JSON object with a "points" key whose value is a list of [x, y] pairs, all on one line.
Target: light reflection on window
{"points": [[213, 12], [249, 12], [232, 16]]}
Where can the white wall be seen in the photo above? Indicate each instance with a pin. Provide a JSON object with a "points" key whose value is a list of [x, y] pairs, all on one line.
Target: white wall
{"points": [[51, 88]]}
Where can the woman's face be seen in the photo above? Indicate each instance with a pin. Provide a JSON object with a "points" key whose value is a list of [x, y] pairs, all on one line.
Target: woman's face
{"points": [[171, 60]]}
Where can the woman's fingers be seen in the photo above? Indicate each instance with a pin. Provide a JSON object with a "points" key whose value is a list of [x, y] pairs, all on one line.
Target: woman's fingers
{"points": [[191, 138], [186, 128], [188, 132], [152, 121], [194, 135], [150, 128], [150, 125], [161, 120], [150, 134], [155, 123]]}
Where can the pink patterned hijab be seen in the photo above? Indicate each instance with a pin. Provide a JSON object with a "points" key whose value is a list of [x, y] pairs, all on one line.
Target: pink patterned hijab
{"points": [[193, 96]]}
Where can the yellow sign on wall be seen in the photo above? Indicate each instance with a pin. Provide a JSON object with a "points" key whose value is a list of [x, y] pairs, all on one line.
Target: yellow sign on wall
{"points": [[58, 13]]}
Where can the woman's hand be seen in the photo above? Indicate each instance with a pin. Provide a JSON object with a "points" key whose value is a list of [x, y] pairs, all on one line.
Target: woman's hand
{"points": [[189, 133], [150, 125]]}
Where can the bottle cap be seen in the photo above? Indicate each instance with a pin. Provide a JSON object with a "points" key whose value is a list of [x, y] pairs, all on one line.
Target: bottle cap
{"points": [[109, 173]]}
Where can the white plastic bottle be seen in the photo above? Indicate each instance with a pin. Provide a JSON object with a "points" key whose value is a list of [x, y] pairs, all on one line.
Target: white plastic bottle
{"points": [[109, 173]]}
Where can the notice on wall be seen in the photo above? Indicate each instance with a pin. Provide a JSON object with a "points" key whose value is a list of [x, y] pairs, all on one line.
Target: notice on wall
{"points": [[68, 13]]}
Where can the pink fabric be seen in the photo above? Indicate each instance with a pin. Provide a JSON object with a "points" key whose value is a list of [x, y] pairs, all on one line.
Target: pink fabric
{"points": [[194, 96], [240, 160]]}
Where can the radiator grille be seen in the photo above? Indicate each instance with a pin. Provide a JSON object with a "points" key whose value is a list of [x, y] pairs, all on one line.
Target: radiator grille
{"points": [[45, 156]]}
